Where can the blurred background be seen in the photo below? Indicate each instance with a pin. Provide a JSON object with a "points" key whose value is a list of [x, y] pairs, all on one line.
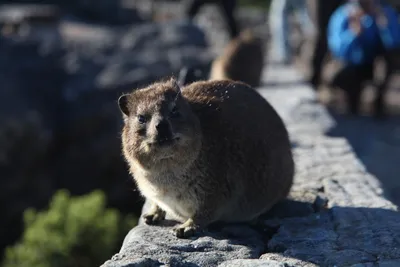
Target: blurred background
{"points": [[66, 198]]}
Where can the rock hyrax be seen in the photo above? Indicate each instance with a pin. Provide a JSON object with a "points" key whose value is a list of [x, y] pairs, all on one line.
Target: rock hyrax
{"points": [[211, 151], [242, 60]]}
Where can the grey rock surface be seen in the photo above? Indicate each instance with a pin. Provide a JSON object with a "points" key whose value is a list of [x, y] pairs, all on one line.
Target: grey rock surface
{"points": [[99, 11], [336, 214], [252, 263], [105, 58], [230, 242]]}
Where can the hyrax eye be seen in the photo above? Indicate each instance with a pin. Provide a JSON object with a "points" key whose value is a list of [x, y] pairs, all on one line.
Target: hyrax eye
{"points": [[174, 112], [141, 119]]}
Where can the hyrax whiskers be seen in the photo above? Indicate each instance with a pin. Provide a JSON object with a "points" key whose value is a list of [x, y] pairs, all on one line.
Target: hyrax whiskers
{"points": [[211, 151]]}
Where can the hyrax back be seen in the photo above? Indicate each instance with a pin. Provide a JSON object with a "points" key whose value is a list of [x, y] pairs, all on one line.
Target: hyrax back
{"points": [[242, 60], [211, 151]]}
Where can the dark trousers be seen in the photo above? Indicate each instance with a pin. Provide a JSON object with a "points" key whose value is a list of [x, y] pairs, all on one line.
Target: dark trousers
{"points": [[320, 11], [351, 79], [227, 8]]}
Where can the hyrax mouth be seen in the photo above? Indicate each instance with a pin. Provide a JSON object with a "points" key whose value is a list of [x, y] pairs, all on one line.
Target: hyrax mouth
{"points": [[165, 141]]}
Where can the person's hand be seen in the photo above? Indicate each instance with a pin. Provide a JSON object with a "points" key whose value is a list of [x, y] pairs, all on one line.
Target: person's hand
{"points": [[355, 16]]}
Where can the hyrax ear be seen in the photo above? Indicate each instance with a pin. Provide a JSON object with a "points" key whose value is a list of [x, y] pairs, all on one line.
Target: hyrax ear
{"points": [[123, 104]]}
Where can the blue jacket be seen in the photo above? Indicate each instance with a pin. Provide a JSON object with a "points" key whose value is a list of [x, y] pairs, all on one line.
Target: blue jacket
{"points": [[345, 45]]}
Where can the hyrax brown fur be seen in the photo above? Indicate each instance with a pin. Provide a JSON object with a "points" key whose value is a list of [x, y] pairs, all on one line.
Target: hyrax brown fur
{"points": [[211, 151], [242, 60]]}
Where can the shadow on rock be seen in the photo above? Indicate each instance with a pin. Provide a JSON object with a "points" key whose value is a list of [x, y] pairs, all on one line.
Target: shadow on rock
{"points": [[377, 144], [339, 236]]}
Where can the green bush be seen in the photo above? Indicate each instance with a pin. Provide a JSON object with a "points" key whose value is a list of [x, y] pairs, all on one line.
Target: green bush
{"points": [[73, 232]]}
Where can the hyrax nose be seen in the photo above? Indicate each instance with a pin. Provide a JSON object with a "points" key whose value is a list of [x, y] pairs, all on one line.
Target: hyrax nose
{"points": [[163, 129]]}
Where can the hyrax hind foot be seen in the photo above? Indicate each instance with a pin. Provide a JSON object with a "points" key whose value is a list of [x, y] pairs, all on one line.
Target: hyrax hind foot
{"points": [[185, 230], [154, 216]]}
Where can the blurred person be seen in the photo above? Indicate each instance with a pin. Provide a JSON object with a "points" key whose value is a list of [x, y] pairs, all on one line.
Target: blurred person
{"points": [[320, 12], [279, 26], [228, 8], [358, 32]]}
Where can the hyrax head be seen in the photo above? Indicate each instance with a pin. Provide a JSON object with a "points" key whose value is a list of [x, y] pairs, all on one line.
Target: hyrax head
{"points": [[160, 129]]}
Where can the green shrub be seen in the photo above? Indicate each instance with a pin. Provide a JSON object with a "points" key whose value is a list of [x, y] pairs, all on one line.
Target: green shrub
{"points": [[73, 232]]}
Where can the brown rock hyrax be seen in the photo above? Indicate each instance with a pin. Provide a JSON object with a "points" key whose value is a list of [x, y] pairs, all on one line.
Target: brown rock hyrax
{"points": [[242, 60], [211, 151]]}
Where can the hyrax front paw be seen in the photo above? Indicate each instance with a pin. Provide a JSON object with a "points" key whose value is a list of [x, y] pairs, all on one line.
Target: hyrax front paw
{"points": [[186, 230], [154, 217]]}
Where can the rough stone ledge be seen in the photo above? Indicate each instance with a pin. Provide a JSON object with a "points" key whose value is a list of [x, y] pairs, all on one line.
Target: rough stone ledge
{"points": [[336, 214]]}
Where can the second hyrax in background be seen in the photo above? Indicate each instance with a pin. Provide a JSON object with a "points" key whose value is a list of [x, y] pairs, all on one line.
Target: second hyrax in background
{"points": [[242, 60], [209, 152]]}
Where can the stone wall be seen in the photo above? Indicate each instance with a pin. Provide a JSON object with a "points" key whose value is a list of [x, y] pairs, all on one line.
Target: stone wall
{"points": [[336, 214]]}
